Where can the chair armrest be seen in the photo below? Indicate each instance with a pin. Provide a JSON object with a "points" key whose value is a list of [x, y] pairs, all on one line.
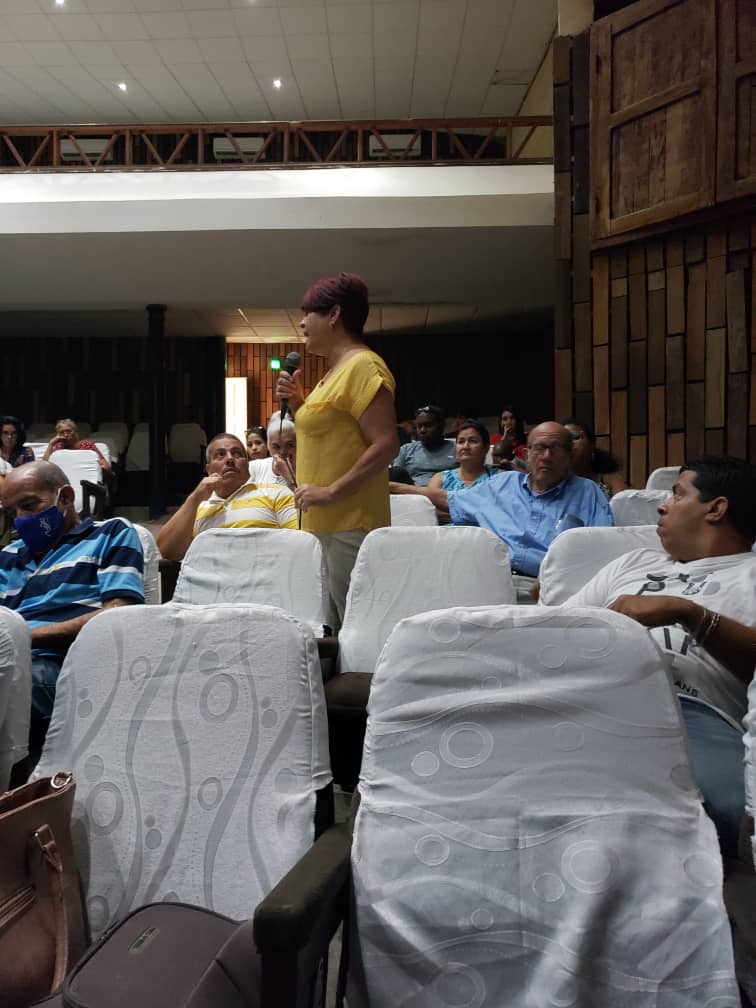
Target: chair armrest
{"points": [[328, 647], [313, 890], [96, 490]]}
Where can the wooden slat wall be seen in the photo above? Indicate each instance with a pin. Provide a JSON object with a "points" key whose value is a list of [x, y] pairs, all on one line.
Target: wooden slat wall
{"points": [[96, 380], [655, 340], [252, 361]]}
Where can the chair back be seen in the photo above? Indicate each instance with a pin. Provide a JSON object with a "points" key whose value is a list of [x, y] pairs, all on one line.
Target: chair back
{"points": [[118, 431], [576, 555], [198, 739], [151, 573], [637, 507], [112, 445], [38, 447], [138, 454], [663, 478], [403, 571], [15, 691], [40, 432], [749, 740], [412, 509], [280, 567], [84, 428], [104, 449], [529, 832], [185, 442], [78, 465]]}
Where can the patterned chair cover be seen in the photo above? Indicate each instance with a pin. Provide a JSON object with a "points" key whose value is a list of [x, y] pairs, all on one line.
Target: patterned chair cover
{"points": [[198, 739], [529, 832]]}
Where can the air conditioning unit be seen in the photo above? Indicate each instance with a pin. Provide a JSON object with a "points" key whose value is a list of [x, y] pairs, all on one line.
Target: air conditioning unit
{"points": [[397, 146], [224, 149], [91, 146]]}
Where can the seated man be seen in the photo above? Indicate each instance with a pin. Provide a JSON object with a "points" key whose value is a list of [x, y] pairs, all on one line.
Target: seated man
{"points": [[281, 466], [529, 510], [226, 498], [59, 574], [697, 596], [431, 453]]}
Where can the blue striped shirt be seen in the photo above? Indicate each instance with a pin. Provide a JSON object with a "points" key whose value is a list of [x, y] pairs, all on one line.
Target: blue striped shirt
{"points": [[91, 564]]}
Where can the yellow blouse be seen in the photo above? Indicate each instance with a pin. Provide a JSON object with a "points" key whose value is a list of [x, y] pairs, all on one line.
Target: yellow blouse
{"points": [[329, 442]]}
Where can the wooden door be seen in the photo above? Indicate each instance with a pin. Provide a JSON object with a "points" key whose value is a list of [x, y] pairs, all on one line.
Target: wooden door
{"points": [[736, 150], [653, 113]]}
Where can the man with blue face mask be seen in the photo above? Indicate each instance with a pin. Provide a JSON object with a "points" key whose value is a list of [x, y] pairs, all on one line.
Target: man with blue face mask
{"points": [[60, 573]]}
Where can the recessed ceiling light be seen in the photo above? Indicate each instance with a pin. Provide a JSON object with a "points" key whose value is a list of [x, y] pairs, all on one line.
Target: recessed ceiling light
{"points": [[277, 82], [59, 3], [122, 86]]}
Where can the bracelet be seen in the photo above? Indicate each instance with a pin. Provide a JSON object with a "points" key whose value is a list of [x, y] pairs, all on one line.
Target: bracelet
{"points": [[708, 625]]}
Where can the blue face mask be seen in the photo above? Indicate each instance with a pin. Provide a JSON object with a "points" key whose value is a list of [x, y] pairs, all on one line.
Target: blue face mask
{"points": [[39, 531]]}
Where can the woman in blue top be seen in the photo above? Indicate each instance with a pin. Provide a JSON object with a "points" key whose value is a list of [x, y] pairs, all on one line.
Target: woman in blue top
{"points": [[472, 443]]}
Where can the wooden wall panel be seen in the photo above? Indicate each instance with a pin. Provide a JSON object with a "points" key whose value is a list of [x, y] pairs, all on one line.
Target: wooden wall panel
{"points": [[672, 315]]}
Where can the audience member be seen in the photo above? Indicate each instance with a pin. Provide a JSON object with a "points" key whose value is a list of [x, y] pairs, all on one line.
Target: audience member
{"points": [[13, 450], [281, 465], [257, 443], [346, 429], [67, 436], [510, 426], [471, 445], [529, 510], [591, 462], [697, 596], [60, 573], [430, 454], [225, 498]]}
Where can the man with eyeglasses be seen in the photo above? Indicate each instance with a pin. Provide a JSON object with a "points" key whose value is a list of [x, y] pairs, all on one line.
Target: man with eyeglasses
{"points": [[226, 498], [430, 453], [528, 510]]}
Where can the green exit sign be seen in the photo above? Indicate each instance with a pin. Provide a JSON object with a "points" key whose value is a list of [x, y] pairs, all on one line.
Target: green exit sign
{"points": [[275, 364]]}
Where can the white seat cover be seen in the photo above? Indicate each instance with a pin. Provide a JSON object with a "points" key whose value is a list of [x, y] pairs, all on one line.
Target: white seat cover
{"points": [[118, 431], [637, 507], [412, 509], [15, 691], [749, 740], [198, 739], [38, 447], [138, 454], [403, 571], [78, 465], [280, 567], [151, 572], [663, 478], [576, 555], [529, 834]]}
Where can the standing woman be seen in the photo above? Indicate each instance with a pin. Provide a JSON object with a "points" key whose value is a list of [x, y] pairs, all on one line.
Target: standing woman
{"points": [[346, 428], [12, 438]]}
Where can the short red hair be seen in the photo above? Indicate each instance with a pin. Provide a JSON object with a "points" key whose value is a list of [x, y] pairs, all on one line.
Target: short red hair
{"points": [[348, 291]]}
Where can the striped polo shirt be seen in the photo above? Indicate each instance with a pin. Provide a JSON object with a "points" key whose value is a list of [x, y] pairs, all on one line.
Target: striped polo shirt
{"points": [[251, 506], [93, 563]]}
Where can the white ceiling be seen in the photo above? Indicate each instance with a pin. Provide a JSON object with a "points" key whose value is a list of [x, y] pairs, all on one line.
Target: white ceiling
{"points": [[215, 60]]}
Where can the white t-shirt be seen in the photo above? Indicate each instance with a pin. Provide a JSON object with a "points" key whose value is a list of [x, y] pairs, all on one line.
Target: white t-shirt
{"points": [[261, 472], [724, 584]]}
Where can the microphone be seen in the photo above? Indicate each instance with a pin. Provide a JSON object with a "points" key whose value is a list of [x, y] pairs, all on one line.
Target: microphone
{"points": [[291, 364]]}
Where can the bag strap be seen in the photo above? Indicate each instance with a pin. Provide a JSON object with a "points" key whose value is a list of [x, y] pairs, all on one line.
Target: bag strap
{"points": [[48, 848]]}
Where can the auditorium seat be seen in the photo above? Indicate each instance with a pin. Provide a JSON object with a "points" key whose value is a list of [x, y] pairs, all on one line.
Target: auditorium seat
{"points": [[118, 431], [198, 741], [151, 575], [83, 472], [15, 691], [400, 572], [663, 478], [637, 507], [529, 832], [186, 442], [412, 509], [279, 567], [576, 555]]}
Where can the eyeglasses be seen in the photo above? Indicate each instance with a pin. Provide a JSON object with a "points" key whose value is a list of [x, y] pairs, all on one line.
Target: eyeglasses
{"points": [[555, 447]]}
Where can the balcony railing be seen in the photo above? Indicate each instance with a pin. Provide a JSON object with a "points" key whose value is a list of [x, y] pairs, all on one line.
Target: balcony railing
{"points": [[189, 147]]}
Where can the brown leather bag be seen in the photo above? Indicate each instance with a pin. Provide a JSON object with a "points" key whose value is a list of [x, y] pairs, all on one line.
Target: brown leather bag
{"points": [[43, 929]]}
